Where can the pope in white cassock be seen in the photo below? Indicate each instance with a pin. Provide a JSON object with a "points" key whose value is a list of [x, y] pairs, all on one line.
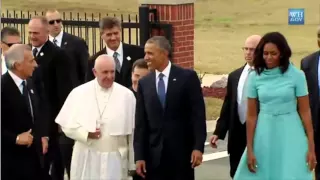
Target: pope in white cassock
{"points": [[99, 116]]}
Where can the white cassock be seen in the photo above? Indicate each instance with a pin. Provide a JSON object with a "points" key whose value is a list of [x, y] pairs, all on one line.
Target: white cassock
{"points": [[87, 108]]}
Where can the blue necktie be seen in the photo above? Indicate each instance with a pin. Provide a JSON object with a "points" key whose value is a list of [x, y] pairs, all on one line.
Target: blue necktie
{"points": [[161, 90]]}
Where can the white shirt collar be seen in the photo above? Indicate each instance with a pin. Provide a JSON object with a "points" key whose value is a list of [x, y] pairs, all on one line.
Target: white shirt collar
{"points": [[58, 38], [17, 80], [39, 48], [165, 72], [119, 50], [247, 67]]}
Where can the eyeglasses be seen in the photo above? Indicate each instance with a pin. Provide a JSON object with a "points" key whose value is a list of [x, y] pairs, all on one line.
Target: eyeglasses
{"points": [[10, 44], [55, 20]]}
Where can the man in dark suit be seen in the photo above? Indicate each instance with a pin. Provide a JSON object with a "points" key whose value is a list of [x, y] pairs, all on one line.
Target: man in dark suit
{"points": [[77, 50], [124, 54], [310, 65], [139, 70], [24, 127], [75, 47], [170, 123], [233, 112], [54, 77]]}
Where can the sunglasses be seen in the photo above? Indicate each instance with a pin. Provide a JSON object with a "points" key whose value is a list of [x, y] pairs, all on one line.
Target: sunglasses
{"points": [[55, 20], [10, 44]]}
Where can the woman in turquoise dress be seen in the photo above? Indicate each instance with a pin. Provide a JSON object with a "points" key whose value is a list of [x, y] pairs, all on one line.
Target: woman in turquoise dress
{"points": [[280, 142]]}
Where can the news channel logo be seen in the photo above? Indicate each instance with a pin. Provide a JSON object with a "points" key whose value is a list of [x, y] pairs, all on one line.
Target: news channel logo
{"points": [[296, 16]]}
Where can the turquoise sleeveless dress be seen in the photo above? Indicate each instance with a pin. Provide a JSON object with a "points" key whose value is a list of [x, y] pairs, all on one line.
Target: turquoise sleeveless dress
{"points": [[280, 142]]}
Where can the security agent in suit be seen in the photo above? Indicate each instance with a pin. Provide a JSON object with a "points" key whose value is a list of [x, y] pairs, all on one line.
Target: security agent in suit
{"points": [[77, 50], [139, 70], [233, 112], [24, 127], [54, 77], [124, 54], [310, 65], [75, 47], [170, 123]]}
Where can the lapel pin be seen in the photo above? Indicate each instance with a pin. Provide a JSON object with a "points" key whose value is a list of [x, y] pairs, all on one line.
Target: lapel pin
{"points": [[65, 43], [31, 91], [174, 79], [129, 58], [41, 54]]}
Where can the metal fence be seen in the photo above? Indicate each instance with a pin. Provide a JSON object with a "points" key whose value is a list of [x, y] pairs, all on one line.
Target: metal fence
{"points": [[82, 25]]}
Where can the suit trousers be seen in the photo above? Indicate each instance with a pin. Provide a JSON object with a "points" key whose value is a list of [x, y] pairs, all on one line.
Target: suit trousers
{"points": [[66, 148], [170, 170], [53, 160], [317, 147], [237, 151]]}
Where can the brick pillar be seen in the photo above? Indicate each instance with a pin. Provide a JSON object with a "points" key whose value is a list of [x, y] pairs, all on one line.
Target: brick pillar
{"points": [[179, 13]]}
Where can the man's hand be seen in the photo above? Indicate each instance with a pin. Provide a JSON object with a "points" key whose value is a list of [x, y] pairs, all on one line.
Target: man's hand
{"points": [[196, 158], [25, 138], [45, 145], [141, 168], [213, 141], [95, 135]]}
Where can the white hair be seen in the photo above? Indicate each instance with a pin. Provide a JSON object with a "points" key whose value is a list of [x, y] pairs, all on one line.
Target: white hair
{"points": [[15, 54]]}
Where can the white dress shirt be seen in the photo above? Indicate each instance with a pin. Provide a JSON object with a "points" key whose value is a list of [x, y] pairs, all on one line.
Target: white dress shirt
{"points": [[165, 78], [242, 108], [58, 38], [119, 51], [3, 65]]}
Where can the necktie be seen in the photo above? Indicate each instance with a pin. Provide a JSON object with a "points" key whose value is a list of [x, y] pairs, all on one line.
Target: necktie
{"points": [[25, 94], [35, 52], [55, 42], [161, 90], [244, 98], [118, 66]]}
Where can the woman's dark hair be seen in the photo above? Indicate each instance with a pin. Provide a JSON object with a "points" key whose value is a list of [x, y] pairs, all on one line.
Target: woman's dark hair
{"points": [[285, 52]]}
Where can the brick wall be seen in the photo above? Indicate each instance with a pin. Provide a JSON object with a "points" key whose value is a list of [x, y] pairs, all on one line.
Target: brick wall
{"points": [[182, 19]]}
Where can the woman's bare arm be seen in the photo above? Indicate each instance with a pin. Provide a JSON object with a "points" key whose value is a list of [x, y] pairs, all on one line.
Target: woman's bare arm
{"points": [[305, 114], [252, 117]]}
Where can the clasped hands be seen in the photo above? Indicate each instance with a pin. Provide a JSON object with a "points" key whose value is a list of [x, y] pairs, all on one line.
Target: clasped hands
{"points": [[26, 139], [196, 160]]}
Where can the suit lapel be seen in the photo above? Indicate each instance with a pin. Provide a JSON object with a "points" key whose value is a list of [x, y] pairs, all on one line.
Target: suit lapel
{"points": [[315, 71], [32, 96], [42, 54], [64, 41], [236, 82], [16, 93], [126, 65], [171, 85]]}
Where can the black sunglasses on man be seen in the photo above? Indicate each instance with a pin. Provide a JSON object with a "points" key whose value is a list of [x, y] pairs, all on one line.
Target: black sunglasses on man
{"points": [[55, 20]]}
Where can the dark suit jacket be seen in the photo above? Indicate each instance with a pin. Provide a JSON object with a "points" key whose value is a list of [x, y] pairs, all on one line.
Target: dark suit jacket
{"points": [[77, 50], [179, 129], [124, 77], [229, 117], [309, 65], [16, 119], [53, 78]]}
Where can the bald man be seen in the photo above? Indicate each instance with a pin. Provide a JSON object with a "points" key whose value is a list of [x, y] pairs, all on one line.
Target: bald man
{"points": [[311, 67], [75, 47], [99, 116], [55, 77], [233, 112], [23, 125]]}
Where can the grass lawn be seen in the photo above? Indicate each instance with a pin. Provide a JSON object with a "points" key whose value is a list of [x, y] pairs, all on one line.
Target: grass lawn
{"points": [[221, 27]]}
